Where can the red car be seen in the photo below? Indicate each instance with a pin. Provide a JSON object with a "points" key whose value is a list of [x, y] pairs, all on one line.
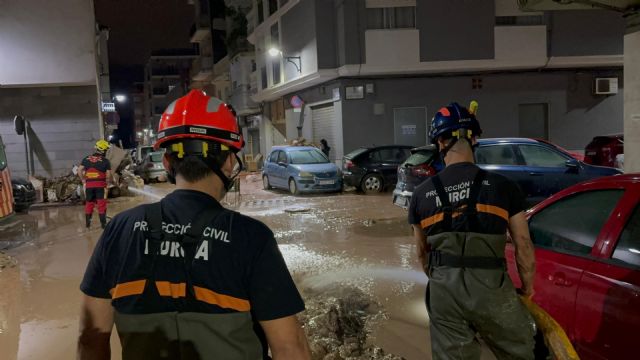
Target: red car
{"points": [[587, 244], [602, 150]]}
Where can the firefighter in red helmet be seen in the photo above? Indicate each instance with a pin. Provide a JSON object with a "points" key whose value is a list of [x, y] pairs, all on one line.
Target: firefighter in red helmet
{"points": [[186, 278]]}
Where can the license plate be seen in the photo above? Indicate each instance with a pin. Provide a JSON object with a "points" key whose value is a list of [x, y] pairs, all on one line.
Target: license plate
{"points": [[326, 182], [400, 201]]}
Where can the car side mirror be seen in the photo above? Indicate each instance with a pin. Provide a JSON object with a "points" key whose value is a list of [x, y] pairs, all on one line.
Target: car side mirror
{"points": [[572, 165]]}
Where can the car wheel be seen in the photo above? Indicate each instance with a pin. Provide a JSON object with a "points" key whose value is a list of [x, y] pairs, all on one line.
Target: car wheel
{"points": [[293, 187], [265, 183], [371, 183]]}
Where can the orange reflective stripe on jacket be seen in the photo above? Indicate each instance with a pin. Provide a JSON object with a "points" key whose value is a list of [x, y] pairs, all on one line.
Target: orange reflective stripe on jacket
{"points": [[179, 290], [481, 208]]}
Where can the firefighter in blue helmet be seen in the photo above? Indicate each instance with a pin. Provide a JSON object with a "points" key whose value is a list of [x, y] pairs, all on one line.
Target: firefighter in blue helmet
{"points": [[460, 219]]}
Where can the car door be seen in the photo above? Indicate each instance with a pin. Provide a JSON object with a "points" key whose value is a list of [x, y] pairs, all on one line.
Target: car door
{"points": [[281, 170], [565, 234], [387, 161], [550, 170], [608, 313], [270, 166], [503, 159]]}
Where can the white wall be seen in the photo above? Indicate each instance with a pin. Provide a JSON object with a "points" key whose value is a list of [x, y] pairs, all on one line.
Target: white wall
{"points": [[47, 43], [523, 43], [392, 47]]}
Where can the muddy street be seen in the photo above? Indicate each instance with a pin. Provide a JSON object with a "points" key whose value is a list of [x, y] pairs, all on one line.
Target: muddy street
{"points": [[352, 257]]}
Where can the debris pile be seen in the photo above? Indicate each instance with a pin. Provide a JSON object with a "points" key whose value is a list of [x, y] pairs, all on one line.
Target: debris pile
{"points": [[68, 188], [338, 323]]}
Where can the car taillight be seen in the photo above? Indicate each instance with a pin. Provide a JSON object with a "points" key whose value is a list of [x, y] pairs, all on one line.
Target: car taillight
{"points": [[423, 170], [348, 164]]}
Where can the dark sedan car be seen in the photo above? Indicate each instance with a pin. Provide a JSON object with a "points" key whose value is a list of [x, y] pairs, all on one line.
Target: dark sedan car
{"points": [[423, 163], [540, 169], [373, 169]]}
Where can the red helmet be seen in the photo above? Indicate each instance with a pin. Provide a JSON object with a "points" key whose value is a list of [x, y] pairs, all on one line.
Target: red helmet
{"points": [[200, 117]]}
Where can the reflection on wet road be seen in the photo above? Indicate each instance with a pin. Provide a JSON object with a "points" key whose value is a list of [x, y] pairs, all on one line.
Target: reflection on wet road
{"points": [[331, 243]]}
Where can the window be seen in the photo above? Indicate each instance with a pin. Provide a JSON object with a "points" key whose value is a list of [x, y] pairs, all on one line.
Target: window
{"points": [[628, 249], [253, 66], [263, 76], [539, 156], [572, 225], [260, 10], [273, 6], [276, 71], [156, 157], [308, 157], [274, 157], [282, 157], [275, 36], [393, 155], [496, 155], [402, 17]]}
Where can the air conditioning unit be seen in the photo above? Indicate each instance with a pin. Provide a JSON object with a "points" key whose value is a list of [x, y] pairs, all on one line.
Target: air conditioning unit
{"points": [[606, 86]]}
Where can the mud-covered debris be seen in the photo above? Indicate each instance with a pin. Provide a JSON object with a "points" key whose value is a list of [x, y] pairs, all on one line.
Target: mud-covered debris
{"points": [[6, 261], [297, 210], [338, 323]]}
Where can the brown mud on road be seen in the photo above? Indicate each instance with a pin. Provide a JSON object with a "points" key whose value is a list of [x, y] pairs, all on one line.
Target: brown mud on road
{"points": [[352, 257]]}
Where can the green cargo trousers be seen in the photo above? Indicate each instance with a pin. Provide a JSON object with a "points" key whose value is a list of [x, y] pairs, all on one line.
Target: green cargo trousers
{"points": [[463, 302]]}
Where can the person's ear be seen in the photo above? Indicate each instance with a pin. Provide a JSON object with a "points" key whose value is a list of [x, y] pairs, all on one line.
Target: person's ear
{"points": [[165, 162]]}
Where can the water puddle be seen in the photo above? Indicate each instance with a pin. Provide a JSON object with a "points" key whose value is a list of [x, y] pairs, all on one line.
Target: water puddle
{"points": [[17, 231], [393, 227]]}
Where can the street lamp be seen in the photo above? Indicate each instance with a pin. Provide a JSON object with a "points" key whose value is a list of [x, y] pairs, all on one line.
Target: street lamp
{"points": [[120, 98], [274, 51]]}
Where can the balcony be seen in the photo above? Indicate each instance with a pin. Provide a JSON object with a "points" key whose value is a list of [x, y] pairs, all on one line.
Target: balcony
{"points": [[240, 99], [202, 68]]}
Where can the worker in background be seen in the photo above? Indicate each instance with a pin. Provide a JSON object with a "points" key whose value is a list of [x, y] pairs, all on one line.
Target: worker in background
{"points": [[94, 171]]}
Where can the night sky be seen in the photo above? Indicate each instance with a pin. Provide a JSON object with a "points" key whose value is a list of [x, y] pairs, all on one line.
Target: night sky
{"points": [[138, 27]]}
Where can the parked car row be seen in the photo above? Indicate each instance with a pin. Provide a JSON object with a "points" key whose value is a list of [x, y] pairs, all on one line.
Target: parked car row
{"points": [[540, 168]]}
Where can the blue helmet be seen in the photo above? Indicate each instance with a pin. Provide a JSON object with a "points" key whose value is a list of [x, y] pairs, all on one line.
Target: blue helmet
{"points": [[449, 120]]}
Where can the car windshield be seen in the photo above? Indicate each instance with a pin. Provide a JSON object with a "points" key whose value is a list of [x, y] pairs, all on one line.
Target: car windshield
{"points": [[421, 157], [156, 157], [307, 157], [145, 150]]}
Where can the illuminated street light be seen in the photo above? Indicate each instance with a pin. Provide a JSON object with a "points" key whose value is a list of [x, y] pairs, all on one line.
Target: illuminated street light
{"points": [[273, 52], [120, 98], [139, 133]]}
